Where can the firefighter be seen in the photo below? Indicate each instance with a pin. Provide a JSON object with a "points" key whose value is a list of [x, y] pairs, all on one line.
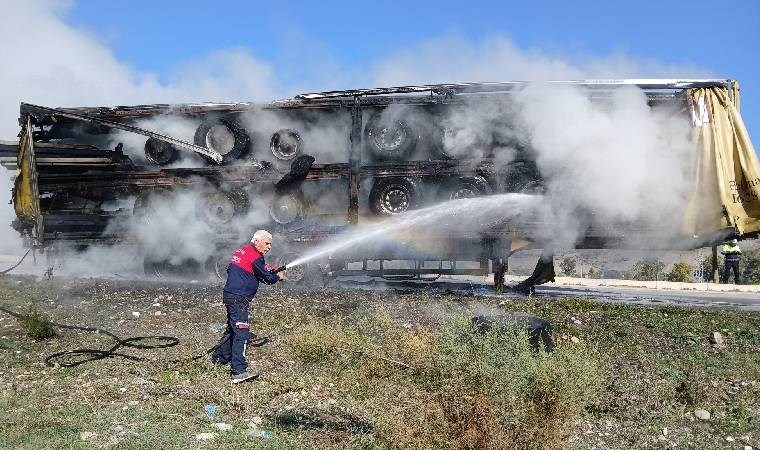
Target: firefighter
{"points": [[246, 269], [731, 254]]}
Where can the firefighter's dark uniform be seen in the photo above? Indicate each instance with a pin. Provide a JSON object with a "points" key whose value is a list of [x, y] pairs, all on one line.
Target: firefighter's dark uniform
{"points": [[246, 269], [731, 254]]}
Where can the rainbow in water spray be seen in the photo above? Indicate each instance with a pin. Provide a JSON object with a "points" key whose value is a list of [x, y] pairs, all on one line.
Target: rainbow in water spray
{"points": [[472, 214]]}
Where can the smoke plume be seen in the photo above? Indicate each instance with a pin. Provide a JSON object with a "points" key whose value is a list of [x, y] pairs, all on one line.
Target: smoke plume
{"points": [[621, 160]]}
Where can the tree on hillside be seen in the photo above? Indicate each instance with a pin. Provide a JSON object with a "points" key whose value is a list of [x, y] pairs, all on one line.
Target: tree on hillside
{"points": [[567, 266], [647, 270], [751, 270], [681, 272]]}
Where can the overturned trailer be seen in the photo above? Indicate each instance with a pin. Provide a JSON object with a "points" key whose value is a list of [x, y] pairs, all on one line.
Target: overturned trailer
{"points": [[311, 167]]}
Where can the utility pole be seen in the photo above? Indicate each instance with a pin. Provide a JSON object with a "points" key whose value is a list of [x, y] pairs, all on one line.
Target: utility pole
{"points": [[715, 264]]}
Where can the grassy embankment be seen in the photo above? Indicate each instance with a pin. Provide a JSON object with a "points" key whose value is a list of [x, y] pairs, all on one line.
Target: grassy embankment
{"points": [[352, 369]]}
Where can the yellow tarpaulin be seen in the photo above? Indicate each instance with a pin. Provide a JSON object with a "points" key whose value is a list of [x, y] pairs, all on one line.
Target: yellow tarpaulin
{"points": [[25, 192], [725, 171]]}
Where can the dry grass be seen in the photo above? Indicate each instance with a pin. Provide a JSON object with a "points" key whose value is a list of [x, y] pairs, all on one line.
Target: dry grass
{"points": [[353, 369], [471, 390], [36, 325]]}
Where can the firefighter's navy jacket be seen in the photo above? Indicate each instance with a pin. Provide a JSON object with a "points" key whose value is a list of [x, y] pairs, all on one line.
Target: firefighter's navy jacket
{"points": [[246, 269]]}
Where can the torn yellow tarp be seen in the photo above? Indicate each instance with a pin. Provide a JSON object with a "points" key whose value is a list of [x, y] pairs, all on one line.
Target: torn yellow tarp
{"points": [[725, 171], [25, 192]]}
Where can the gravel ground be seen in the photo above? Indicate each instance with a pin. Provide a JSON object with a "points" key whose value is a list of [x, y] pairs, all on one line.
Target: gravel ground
{"points": [[661, 366]]}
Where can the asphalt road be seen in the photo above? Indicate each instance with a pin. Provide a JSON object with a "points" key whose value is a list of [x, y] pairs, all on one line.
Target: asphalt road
{"points": [[748, 301], [745, 301]]}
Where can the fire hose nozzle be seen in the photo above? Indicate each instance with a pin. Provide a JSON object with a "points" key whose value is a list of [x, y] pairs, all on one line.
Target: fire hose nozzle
{"points": [[280, 269]]}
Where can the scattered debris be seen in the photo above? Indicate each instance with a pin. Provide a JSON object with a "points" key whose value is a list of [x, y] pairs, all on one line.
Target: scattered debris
{"points": [[205, 436], [210, 410], [702, 414], [86, 435], [217, 327], [716, 339], [221, 426], [256, 433]]}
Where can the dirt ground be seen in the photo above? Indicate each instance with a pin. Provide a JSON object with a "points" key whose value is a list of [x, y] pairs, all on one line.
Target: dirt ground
{"points": [[660, 368]]}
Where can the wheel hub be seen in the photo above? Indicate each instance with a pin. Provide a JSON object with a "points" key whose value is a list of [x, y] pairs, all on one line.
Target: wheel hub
{"points": [[219, 209], [395, 200], [220, 139], [390, 138], [285, 144]]}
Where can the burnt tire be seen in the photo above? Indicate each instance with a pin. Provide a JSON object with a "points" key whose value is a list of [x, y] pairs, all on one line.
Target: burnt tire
{"points": [[162, 268], [466, 187], [526, 186], [389, 138], [159, 152], [220, 208], [393, 196], [307, 274], [286, 145], [217, 265], [225, 136], [286, 208]]}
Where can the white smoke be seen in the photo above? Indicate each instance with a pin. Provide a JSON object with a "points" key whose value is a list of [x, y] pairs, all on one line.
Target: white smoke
{"points": [[55, 64], [452, 59], [176, 127], [619, 160], [630, 158]]}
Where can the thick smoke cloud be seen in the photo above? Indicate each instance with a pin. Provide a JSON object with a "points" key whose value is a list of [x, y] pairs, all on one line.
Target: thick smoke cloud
{"points": [[619, 160]]}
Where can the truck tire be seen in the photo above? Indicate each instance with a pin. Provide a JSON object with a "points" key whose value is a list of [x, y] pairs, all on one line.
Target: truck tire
{"points": [[286, 208], [225, 136], [389, 139], [286, 144], [466, 187], [392, 196], [159, 152], [218, 265], [219, 208]]}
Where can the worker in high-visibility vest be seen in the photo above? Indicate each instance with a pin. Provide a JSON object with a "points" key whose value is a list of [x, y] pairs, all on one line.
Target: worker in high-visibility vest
{"points": [[731, 254]]}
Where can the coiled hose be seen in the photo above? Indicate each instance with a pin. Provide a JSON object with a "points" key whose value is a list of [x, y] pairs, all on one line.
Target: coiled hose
{"points": [[62, 359]]}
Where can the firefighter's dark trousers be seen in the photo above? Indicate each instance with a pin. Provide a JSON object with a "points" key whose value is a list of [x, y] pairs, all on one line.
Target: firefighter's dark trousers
{"points": [[731, 265], [234, 341]]}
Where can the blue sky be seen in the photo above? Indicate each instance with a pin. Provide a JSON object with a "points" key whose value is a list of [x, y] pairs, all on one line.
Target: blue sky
{"points": [[90, 52], [700, 37]]}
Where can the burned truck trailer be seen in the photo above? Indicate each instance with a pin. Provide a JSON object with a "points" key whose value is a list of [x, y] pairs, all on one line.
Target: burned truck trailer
{"points": [[307, 168]]}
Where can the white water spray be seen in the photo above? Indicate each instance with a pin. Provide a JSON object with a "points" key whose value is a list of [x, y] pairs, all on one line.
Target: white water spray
{"points": [[467, 214]]}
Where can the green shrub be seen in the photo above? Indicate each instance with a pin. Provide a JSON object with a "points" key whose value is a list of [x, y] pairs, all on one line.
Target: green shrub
{"points": [[567, 266], [594, 272], [751, 267], [647, 270], [36, 325], [681, 272], [497, 393], [456, 388]]}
